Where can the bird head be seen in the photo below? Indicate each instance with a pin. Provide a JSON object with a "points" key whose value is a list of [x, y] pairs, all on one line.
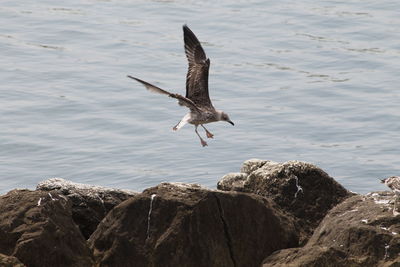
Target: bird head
{"points": [[224, 117]]}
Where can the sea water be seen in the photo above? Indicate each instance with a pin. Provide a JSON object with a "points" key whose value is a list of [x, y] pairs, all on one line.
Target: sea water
{"points": [[315, 81]]}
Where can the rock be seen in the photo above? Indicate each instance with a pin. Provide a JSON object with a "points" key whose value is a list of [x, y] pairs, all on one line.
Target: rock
{"points": [[300, 188], [37, 228], [317, 257], [90, 204], [232, 182], [187, 225], [361, 231], [252, 164], [10, 261]]}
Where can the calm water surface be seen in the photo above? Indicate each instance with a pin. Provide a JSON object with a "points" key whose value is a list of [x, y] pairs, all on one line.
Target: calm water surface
{"points": [[316, 81]]}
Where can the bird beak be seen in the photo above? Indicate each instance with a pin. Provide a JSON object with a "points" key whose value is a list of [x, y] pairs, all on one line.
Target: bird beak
{"points": [[231, 123]]}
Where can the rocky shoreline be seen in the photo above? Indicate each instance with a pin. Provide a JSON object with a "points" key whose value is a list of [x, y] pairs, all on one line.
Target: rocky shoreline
{"points": [[269, 214]]}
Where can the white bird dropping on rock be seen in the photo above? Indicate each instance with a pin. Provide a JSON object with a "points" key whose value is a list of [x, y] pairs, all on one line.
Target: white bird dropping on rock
{"points": [[386, 251], [149, 216], [299, 188], [52, 197]]}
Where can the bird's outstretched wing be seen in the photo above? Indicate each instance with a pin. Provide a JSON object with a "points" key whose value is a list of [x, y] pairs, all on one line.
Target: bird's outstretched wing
{"points": [[197, 75], [183, 101]]}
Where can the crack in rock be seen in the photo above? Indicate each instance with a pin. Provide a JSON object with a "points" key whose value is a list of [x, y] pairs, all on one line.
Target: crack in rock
{"points": [[226, 230]]}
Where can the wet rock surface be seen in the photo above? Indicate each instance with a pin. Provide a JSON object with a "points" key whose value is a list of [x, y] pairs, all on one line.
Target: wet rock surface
{"points": [[361, 231], [90, 203], [187, 225], [302, 189], [37, 228]]}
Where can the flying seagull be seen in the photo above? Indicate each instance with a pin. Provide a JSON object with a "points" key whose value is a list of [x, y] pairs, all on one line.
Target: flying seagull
{"points": [[197, 98]]}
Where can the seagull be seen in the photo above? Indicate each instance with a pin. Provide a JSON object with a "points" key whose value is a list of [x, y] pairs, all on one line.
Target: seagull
{"points": [[393, 183], [197, 98]]}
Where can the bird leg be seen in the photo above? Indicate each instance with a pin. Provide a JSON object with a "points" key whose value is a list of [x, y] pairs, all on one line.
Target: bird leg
{"points": [[209, 135], [203, 143], [183, 121]]}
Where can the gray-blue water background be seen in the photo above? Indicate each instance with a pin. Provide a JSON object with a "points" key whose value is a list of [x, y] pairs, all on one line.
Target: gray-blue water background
{"points": [[315, 81]]}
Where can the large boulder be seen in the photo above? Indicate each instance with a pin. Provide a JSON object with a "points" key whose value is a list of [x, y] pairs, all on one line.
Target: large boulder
{"points": [[302, 189], [187, 225], [361, 231], [90, 203], [37, 228]]}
